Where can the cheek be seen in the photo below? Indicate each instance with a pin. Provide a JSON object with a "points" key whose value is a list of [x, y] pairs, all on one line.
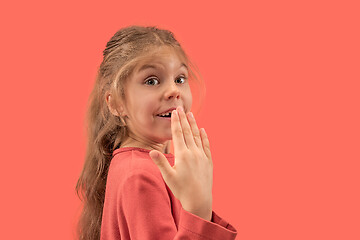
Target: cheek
{"points": [[143, 103], [188, 99], [147, 110]]}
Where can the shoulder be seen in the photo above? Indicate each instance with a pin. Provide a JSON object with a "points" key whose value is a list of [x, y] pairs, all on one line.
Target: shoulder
{"points": [[134, 177], [132, 162]]}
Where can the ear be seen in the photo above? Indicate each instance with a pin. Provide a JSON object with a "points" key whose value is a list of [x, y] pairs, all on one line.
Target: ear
{"points": [[112, 105]]}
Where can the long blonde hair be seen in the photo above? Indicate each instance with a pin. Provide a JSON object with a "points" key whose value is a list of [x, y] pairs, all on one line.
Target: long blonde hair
{"points": [[105, 131]]}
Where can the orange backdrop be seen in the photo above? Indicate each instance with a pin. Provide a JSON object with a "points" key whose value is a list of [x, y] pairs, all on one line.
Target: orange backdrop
{"points": [[281, 109]]}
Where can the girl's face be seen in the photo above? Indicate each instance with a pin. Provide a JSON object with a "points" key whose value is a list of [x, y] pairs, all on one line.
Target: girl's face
{"points": [[157, 84]]}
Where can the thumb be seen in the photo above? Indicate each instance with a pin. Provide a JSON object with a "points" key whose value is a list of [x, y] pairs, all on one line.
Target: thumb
{"points": [[161, 161]]}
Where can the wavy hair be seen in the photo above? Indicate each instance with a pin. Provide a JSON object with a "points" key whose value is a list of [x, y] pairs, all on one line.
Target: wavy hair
{"points": [[105, 131]]}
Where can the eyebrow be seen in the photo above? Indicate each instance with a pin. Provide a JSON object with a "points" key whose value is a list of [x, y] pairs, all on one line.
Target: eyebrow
{"points": [[146, 66]]}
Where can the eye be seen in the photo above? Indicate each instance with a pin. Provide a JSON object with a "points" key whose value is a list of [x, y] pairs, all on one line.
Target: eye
{"points": [[151, 81], [182, 77]]}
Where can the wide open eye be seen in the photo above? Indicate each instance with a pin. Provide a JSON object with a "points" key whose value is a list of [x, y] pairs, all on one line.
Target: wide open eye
{"points": [[151, 81], [183, 79]]}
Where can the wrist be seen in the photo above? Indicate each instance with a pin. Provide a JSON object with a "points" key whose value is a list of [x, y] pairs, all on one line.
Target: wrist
{"points": [[204, 213]]}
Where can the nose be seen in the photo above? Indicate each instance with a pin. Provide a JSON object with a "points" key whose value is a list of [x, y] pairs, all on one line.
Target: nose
{"points": [[172, 91]]}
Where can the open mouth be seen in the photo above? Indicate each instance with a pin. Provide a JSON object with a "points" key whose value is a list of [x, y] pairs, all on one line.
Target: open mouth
{"points": [[166, 115]]}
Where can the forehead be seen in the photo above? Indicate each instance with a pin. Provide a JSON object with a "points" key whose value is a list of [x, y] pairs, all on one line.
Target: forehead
{"points": [[161, 55]]}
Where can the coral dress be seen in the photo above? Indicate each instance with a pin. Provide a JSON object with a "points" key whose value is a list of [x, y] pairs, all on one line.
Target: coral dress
{"points": [[140, 206]]}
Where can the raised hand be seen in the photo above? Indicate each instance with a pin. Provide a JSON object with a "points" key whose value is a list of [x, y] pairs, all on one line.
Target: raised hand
{"points": [[191, 177]]}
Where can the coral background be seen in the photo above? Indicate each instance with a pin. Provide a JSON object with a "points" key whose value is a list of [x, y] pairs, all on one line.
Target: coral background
{"points": [[282, 109]]}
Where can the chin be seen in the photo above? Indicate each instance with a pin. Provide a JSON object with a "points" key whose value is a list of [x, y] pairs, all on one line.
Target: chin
{"points": [[167, 137], [163, 138]]}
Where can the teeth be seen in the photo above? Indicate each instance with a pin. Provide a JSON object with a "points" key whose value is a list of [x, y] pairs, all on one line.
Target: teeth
{"points": [[165, 114]]}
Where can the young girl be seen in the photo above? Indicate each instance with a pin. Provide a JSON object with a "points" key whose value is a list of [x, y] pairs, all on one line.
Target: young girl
{"points": [[132, 186]]}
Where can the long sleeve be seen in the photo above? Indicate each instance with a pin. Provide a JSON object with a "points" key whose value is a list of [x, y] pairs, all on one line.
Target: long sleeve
{"points": [[145, 213], [139, 205]]}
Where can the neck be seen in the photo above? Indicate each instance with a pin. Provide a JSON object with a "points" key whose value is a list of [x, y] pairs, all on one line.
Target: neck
{"points": [[132, 142]]}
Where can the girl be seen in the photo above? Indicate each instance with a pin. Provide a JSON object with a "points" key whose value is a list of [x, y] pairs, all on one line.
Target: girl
{"points": [[131, 185]]}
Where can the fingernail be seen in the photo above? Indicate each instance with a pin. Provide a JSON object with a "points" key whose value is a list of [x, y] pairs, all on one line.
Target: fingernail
{"points": [[191, 115], [181, 109]]}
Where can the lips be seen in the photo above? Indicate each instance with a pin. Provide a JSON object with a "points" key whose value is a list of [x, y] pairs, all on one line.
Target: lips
{"points": [[166, 111]]}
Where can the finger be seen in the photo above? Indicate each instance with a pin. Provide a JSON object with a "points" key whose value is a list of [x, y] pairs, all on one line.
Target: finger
{"points": [[188, 136], [194, 129], [205, 143], [176, 131], [163, 164]]}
